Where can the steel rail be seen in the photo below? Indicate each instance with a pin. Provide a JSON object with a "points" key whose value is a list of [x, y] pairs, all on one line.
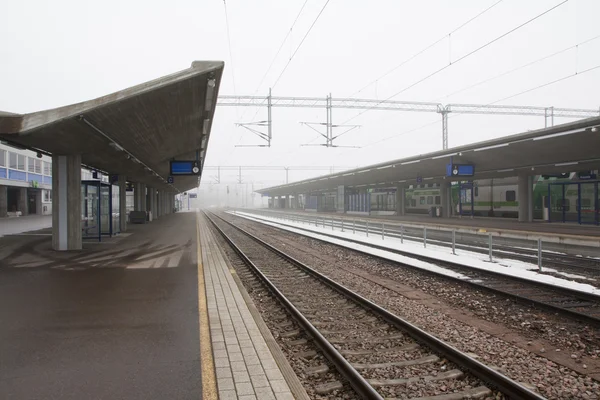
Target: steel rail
{"points": [[571, 292], [503, 383], [357, 381]]}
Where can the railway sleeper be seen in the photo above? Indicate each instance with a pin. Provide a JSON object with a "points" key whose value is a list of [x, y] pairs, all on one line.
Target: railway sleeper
{"points": [[405, 363], [408, 347], [473, 393], [452, 374]]}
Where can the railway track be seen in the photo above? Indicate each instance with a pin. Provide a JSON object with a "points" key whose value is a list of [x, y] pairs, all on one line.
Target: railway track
{"points": [[379, 354], [474, 243], [570, 303]]}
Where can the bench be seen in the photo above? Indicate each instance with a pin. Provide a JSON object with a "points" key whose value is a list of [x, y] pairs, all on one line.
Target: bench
{"points": [[138, 217]]}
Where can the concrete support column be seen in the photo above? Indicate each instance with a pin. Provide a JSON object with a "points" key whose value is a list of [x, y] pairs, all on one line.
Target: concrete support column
{"points": [[3, 201], [23, 202], [152, 202], [445, 200], [525, 198], [38, 202], [123, 203], [400, 200], [66, 202], [139, 197], [295, 202], [341, 199]]}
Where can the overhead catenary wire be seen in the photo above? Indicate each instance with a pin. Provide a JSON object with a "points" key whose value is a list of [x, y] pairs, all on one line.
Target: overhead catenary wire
{"points": [[289, 32], [597, 67], [460, 59], [493, 78], [229, 45], [427, 47], [300, 44], [575, 46]]}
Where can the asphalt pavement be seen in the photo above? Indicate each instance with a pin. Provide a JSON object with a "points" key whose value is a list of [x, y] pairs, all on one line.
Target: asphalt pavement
{"points": [[117, 320]]}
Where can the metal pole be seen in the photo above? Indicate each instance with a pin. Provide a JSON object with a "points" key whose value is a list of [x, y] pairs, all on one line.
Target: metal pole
{"points": [[401, 233], [367, 228], [331, 223], [490, 245], [540, 254], [425, 237], [454, 241], [353, 226], [342, 225], [382, 231]]}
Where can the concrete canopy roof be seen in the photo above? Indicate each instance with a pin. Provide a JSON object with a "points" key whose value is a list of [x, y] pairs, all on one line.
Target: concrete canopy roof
{"points": [[135, 132], [563, 148]]}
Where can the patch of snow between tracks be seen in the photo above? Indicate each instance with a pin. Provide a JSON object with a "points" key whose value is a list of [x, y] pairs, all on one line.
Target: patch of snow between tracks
{"points": [[476, 260]]}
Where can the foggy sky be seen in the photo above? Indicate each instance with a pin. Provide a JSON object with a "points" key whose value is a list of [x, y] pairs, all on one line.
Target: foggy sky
{"points": [[66, 51]]}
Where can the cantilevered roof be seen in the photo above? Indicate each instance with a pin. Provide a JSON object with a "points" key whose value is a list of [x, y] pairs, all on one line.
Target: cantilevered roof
{"points": [[563, 148], [135, 131]]}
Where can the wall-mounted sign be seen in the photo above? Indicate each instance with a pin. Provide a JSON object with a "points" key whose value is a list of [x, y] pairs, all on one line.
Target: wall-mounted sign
{"points": [[170, 180], [460, 170], [185, 168], [193, 195], [419, 179], [586, 175]]}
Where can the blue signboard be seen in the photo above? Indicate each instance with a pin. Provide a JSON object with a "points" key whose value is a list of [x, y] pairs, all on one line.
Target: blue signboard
{"points": [[460, 170], [184, 168]]}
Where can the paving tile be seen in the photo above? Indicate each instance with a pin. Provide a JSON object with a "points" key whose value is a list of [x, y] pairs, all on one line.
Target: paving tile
{"points": [[269, 363], [241, 377], [253, 371], [224, 372], [220, 353], [273, 374], [280, 386], [259, 381], [249, 351], [244, 389], [252, 360], [284, 396], [246, 343], [236, 357], [264, 393], [237, 366], [228, 395], [221, 362], [225, 384], [252, 397]]}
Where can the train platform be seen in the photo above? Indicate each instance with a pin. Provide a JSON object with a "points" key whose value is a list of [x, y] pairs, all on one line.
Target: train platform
{"points": [[123, 318], [565, 233]]}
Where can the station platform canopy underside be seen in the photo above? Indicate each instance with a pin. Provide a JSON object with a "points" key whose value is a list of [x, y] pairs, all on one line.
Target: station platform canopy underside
{"points": [[563, 148], [135, 132]]}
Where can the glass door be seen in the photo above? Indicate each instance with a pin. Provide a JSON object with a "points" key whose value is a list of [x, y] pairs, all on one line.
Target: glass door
{"points": [[587, 202], [465, 200]]}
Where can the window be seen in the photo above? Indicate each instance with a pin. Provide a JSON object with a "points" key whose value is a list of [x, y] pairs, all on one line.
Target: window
{"points": [[422, 200], [38, 166], [2, 158], [47, 168], [47, 196], [30, 164], [12, 160], [438, 200], [429, 200], [511, 195], [476, 191], [21, 162], [586, 204]]}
